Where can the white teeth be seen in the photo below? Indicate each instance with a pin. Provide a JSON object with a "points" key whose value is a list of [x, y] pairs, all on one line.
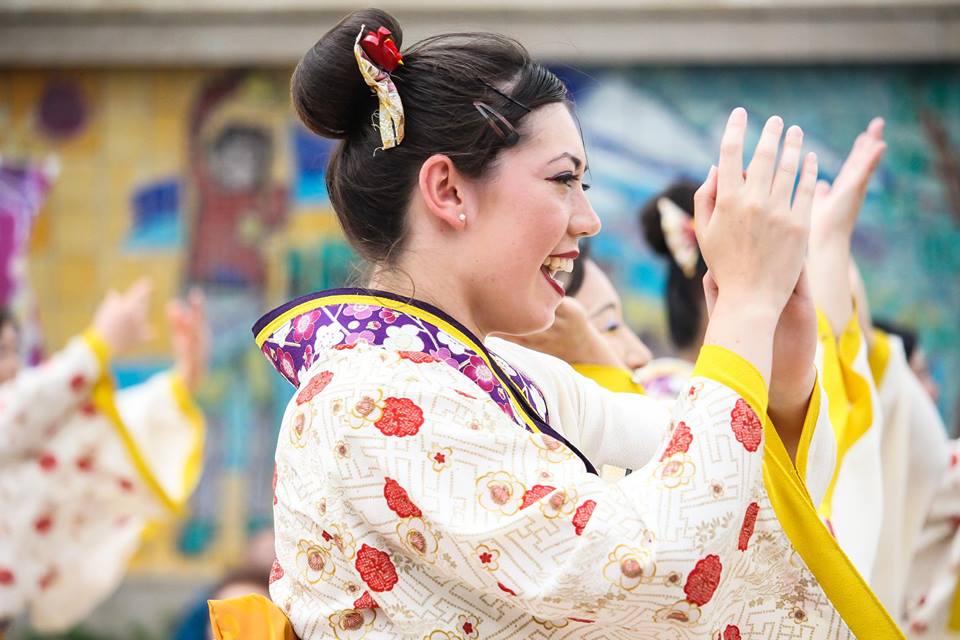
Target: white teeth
{"points": [[554, 264]]}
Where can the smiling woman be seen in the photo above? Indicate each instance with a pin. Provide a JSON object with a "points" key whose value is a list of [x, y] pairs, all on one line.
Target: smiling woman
{"points": [[427, 487]]}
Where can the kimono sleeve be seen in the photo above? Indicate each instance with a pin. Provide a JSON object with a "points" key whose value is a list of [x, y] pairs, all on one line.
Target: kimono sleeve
{"points": [[141, 464], [425, 482], [163, 430], [35, 403], [617, 428]]}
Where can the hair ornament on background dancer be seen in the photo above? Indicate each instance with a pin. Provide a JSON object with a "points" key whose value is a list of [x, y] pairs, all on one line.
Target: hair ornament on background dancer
{"points": [[679, 234], [377, 57]]}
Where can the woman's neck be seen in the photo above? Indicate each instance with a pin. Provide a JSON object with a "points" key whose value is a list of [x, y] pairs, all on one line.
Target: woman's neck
{"points": [[401, 281]]}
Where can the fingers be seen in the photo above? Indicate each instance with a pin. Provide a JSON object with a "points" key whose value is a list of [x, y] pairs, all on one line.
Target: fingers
{"points": [[789, 164], [704, 201], [731, 152], [822, 190], [875, 128], [139, 291], [803, 201], [761, 169]]}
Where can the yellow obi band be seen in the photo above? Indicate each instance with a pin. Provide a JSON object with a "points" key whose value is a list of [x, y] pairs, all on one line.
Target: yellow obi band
{"points": [[251, 617]]}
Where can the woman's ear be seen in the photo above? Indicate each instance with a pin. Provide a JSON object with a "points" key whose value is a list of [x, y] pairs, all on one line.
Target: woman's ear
{"points": [[441, 187]]}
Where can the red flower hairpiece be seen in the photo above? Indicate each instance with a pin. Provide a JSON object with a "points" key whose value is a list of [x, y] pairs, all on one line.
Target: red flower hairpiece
{"points": [[381, 49]]}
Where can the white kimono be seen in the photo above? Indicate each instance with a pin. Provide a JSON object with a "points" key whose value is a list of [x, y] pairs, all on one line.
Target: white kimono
{"points": [[411, 504], [82, 471]]}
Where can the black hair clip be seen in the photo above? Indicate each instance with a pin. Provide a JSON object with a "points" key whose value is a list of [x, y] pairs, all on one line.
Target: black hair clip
{"points": [[500, 125], [503, 95]]}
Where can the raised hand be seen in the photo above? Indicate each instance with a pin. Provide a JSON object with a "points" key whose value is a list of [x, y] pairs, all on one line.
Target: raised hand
{"points": [[753, 235], [572, 338], [190, 337], [121, 319], [836, 207], [835, 212]]}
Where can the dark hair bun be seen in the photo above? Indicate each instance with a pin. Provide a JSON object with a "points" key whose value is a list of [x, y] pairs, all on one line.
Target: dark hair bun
{"points": [[680, 192], [327, 90]]}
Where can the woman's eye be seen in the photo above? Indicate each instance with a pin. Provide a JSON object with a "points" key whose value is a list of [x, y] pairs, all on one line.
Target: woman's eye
{"points": [[568, 179], [611, 327]]}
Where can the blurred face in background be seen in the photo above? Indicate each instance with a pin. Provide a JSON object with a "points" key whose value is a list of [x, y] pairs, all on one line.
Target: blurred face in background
{"points": [[602, 303], [9, 352]]}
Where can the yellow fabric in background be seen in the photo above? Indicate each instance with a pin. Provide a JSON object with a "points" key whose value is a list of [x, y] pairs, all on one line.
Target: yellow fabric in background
{"points": [[251, 617]]}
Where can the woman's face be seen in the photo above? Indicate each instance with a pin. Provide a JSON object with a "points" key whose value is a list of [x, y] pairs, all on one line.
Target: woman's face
{"points": [[602, 303], [524, 219]]}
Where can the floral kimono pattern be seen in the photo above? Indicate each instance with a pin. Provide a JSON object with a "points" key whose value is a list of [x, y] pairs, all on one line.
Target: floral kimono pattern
{"points": [[410, 504], [82, 471]]}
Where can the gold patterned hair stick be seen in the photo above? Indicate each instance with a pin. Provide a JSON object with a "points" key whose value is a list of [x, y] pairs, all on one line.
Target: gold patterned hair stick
{"points": [[378, 45]]}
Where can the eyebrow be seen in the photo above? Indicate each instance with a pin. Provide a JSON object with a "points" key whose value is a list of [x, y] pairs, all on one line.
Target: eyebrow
{"points": [[608, 306], [577, 162]]}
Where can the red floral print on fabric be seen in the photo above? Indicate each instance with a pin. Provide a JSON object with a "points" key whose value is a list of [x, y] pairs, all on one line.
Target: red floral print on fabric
{"points": [[126, 484], [85, 463], [317, 384], [679, 442], [6, 577], [749, 521], [47, 461], [703, 580], [308, 356], [399, 501], [287, 367], [344, 346], [376, 569], [582, 516], [303, 326], [88, 409], [401, 417], [732, 632], [746, 425], [467, 628], [534, 493], [439, 458], [47, 579], [276, 571], [77, 383], [43, 524], [365, 601], [418, 357], [506, 589], [465, 395]]}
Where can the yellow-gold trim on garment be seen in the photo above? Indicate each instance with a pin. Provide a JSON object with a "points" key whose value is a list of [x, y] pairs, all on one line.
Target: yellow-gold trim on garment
{"points": [[879, 355], [616, 379], [850, 595], [859, 403], [806, 433], [408, 309], [841, 582]]}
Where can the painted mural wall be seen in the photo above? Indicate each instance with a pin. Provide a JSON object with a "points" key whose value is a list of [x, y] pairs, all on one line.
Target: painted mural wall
{"points": [[204, 177]]}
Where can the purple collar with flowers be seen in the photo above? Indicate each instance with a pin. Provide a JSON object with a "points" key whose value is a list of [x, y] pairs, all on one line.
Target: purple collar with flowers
{"points": [[293, 334]]}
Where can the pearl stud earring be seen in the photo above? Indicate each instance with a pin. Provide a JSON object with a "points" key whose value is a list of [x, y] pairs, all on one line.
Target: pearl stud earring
{"points": [[462, 217]]}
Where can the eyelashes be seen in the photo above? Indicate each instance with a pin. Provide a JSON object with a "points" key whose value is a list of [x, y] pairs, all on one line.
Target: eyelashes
{"points": [[568, 179]]}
